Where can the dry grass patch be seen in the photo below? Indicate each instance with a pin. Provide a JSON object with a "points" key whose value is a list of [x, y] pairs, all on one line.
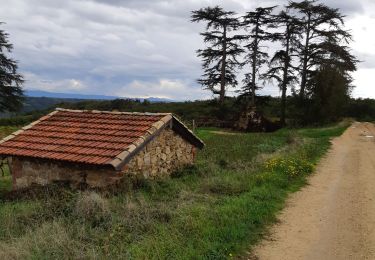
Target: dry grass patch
{"points": [[92, 207], [50, 241]]}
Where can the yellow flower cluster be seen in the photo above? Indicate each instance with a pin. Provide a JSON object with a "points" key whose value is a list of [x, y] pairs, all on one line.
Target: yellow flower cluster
{"points": [[292, 167]]}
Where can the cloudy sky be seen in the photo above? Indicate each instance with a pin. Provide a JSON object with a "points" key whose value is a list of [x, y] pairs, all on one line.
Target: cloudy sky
{"points": [[140, 48]]}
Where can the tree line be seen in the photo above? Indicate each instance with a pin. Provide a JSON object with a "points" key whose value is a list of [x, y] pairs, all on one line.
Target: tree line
{"points": [[312, 58]]}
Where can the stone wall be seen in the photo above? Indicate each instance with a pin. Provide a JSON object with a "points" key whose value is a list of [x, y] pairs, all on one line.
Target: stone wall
{"points": [[163, 155], [28, 172]]}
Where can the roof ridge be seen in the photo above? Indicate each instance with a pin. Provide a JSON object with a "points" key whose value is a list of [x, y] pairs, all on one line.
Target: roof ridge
{"points": [[125, 155], [111, 112]]}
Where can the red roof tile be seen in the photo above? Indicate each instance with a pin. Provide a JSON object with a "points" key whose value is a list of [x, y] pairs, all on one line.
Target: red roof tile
{"points": [[80, 136]]}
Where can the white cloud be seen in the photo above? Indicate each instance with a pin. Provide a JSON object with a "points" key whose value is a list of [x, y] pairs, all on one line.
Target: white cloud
{"points": [[145, 44], [364, 82], [70, 85]]}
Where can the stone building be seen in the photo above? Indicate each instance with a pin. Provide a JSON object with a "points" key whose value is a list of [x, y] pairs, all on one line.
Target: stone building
{"points": [[97, 148]]}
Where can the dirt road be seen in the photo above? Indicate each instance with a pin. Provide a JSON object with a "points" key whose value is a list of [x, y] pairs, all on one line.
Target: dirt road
{"points": [[334, 216]]}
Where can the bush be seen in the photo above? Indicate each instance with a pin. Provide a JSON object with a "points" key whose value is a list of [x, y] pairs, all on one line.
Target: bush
{"points": [[292, 137], [91, 207]]}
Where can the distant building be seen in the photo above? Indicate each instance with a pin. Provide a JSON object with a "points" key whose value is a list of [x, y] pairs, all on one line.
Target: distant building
{"points": [[97, 149]]}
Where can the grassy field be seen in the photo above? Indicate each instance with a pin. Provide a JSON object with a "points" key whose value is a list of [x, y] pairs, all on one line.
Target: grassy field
{"points": [[6, 182], [215, 210]]}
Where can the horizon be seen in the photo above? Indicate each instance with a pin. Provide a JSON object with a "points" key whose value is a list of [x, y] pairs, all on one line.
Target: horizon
{"points": [[66, 95]]}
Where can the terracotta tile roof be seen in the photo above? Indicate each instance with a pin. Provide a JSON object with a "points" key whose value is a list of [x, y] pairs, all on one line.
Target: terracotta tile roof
{"points": [[90, 137]]}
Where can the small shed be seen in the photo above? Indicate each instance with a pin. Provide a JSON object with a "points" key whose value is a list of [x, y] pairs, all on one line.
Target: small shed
{"points": [[98, 148]]}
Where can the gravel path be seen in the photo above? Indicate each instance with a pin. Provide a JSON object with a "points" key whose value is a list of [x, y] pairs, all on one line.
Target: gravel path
{"points": [[334, 216]]}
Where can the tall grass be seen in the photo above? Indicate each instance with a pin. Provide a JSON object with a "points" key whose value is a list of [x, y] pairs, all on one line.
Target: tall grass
{"points": [[216, 209]]}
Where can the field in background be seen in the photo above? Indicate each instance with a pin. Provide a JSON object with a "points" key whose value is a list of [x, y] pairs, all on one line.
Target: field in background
{"points": [[216, 209]]}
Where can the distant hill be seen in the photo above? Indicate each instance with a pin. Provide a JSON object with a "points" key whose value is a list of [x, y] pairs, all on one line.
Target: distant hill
{"points": [[41, 103], [40, 93], [40, 100], [45, 94]]}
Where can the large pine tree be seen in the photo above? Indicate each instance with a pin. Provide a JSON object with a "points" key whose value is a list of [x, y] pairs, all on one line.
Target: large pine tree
{"points": [[322, 25], [257, 24], [282, 68], [11, 94], [220, 57]]}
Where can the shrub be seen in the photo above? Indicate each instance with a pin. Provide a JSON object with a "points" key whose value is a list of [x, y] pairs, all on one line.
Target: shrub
{"points": [[91, 207], [292, 137]]}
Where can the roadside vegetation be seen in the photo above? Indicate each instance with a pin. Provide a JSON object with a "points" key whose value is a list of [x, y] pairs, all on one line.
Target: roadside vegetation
{"points": [[213, 210]]}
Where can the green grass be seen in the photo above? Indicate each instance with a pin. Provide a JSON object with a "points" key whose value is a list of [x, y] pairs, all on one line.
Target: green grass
{"points": [[7, 130], [218, 208], [6, 181]]}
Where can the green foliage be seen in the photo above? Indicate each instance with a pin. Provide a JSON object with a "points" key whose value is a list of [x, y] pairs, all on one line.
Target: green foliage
{"points": [[281, 68], [11, 93], [324, 41], [361, 109], [220, 58], [35, 104], [330, 95], [207, 113], [203, 111], [5, 181], [20, 120], [256, 24], [7, 130]]}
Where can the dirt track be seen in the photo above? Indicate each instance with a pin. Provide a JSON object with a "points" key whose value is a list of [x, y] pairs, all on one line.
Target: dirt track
{"points": [[334, 216]]}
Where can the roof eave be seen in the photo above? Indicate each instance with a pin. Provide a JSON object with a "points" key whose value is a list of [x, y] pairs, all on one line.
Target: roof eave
{"points": [[186, 133]]}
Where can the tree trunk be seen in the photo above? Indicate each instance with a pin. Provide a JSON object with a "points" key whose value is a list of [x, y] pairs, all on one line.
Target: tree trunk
{"points": [[253, 73], [223, 67], [305, 59], [285, 78]]}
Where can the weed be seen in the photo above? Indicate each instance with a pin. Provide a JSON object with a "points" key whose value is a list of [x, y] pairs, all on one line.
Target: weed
{"points": [[291, 166]]}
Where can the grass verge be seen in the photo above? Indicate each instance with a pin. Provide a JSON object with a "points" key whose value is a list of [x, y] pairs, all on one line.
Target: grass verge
{"points": [[214, 210]]}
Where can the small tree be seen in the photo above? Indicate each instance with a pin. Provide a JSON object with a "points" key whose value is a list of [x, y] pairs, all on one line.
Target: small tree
{"points": [[256, 24], [331, 92], [220, 57], [10, 81], [281, 65], [331, 83]]}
